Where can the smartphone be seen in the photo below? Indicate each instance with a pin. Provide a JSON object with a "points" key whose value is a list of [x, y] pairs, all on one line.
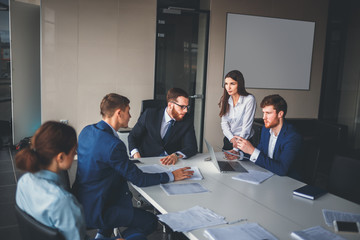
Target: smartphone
{"points": [[341, 226]]}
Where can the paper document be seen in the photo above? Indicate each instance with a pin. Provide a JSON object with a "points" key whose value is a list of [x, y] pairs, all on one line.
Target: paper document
{"points": [[155, 168], [330, 216], [193, 218], [315, 233], [182, 188], [196, 176], [248, 231], [253, 176]]}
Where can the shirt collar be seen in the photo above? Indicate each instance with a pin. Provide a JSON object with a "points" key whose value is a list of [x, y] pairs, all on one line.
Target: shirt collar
{"points": [[48, 175], [115, 133], [167, 118], [272, 133], [230, 100]]}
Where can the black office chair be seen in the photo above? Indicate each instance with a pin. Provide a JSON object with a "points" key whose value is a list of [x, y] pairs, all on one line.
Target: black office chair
{"points": [[31, 229], [344, 178], [307, 163], [152, 103]]}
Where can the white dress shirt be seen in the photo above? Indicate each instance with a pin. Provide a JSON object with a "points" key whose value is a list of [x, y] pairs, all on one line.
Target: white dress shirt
{"points": [[238, 121], [271, 148]]}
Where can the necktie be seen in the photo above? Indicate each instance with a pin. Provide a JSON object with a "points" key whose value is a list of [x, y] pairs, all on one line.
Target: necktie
{"points": [[168, 131]]}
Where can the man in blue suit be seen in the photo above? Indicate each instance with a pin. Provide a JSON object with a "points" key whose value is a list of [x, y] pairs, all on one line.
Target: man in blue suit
{"points": [[166, 131], [279, 144], [104, 169]]}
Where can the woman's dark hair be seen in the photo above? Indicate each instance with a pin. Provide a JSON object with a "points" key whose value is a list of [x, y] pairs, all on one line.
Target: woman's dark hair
{"points": [[48, 141], [237, 76]]}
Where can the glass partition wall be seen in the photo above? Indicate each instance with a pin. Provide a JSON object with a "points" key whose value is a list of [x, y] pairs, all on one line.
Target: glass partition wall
{"points": [[5, 76]]}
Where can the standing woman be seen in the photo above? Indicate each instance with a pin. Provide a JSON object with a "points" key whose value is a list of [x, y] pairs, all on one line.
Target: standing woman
{"points": [[237, 111], [40, 192]]}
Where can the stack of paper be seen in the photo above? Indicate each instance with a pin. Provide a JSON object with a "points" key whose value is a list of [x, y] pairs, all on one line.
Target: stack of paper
{"points": [[182, 188], [155, 168], [330, 216], [193, 218], [315, 233], [246, 231], [253, 176]]}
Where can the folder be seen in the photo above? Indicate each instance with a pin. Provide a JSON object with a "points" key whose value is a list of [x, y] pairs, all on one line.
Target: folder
{"points": [[309, 192]]}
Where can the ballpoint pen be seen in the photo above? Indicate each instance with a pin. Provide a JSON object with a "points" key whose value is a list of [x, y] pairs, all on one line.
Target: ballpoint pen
{"points": [[238, 220]]}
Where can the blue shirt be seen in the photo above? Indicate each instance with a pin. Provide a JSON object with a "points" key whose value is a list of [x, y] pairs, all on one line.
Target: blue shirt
{"points": [[43, 196]]}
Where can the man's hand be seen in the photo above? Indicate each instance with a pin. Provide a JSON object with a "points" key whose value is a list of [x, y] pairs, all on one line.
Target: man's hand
{"points": [[168, 160], [137, 155], [231, 156], [245, 146], [182, 173]]}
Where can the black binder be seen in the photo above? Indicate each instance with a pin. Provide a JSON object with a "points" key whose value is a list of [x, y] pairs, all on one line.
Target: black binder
{"points": [[309, 192]]}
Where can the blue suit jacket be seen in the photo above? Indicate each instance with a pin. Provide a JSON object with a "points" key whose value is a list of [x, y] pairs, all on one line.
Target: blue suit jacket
{"points": [[287, 149], [145, 136], [101, 178]]}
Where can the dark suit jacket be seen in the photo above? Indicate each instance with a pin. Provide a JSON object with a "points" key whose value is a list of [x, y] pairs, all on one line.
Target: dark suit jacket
{"points": [[287, 149], [102, 174], [145, 136]]}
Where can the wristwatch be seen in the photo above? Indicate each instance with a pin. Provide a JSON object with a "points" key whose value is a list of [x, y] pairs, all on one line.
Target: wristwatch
{"points": [[177, 155]]}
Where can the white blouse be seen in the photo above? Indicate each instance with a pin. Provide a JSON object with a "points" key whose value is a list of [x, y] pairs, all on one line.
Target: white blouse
{"points": [[238, 121]]}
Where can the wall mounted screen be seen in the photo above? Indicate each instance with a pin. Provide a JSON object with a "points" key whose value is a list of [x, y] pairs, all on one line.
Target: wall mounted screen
{"points": [[270, 52]]}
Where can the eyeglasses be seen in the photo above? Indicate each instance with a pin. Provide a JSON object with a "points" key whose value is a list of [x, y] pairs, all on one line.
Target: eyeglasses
{"points": [[183, 107]]}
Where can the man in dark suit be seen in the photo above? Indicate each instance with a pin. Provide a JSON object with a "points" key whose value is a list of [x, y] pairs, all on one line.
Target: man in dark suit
{"points": [[104, 169], [279, 144], [166, 131]]}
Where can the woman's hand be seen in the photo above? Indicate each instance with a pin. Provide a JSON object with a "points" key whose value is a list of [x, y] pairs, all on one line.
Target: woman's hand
{"points": [[234, 141], [231, 156]]}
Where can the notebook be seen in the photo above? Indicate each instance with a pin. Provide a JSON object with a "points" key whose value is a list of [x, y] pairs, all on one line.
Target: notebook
{"points": [[224, 166], [310, 192]]}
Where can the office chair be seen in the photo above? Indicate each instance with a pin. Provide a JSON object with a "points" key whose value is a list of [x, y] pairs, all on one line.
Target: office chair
{"points": [[344, 178], [307, 164], [152, 103], [32, 229]]}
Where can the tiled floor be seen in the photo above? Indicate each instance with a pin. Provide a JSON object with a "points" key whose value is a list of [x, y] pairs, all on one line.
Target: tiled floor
{"points": [[8, 179], [8, 223]]}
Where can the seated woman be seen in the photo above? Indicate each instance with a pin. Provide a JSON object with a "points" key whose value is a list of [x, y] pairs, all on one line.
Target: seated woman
{"points": [[237, 110], [40, 192]]}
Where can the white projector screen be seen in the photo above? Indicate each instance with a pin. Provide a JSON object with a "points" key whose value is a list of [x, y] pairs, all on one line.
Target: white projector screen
{"points": [[270, 52]]}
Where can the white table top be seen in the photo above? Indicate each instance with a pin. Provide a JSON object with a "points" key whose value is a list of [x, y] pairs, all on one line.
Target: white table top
{"points": [[271, 203]]}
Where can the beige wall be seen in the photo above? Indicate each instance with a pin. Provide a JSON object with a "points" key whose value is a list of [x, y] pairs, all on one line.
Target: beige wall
{"points": [[93, 47], [301, 104]]}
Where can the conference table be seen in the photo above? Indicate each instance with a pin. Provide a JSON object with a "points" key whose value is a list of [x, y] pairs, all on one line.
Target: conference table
{"points": [[271, 203]]}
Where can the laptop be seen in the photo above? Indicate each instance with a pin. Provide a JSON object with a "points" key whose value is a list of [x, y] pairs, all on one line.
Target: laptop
{"points": [[224, 166]]}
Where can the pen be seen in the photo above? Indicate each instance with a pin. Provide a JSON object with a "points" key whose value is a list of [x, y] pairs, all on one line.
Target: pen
{"points": [[238, 220]]}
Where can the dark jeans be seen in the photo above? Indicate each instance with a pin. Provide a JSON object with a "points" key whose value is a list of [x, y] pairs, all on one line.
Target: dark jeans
{"points": [[227, 144], [142, 224]]}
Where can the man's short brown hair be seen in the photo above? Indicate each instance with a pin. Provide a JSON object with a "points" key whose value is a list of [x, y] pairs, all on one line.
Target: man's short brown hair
{"points": [[276, 101], [174, 93], [111, 102]]}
